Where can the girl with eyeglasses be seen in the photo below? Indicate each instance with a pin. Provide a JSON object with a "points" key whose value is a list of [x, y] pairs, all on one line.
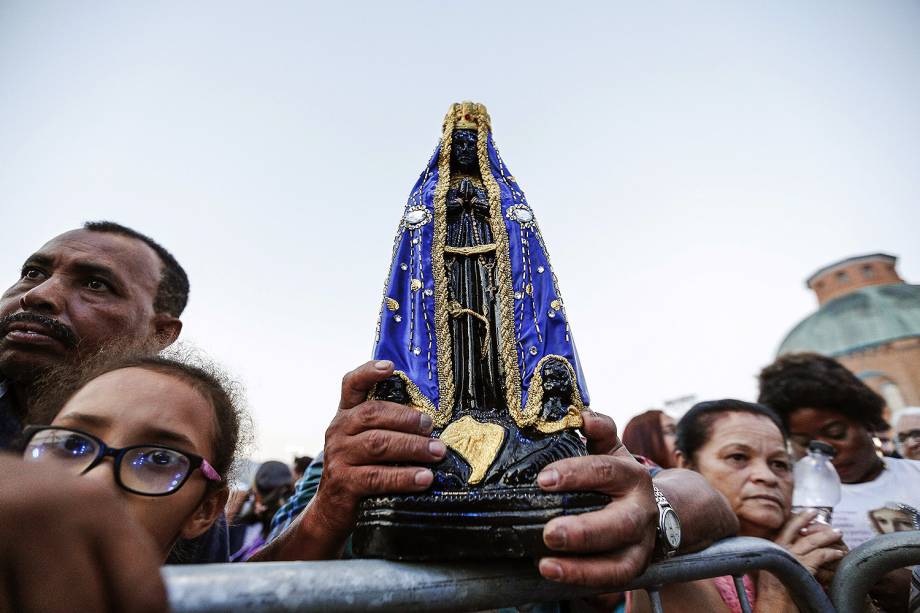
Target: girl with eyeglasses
{"points": [[162, 432]]}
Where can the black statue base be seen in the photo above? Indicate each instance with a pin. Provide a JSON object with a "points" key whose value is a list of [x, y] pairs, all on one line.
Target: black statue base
{"points": [[477, 524], [484, 501]]}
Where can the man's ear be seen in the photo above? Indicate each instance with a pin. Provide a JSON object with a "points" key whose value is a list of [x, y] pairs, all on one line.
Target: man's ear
{"points": [[166, 329], [205, 515]]}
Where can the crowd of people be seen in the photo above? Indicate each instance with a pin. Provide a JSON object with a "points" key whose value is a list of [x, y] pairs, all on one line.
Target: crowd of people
{"points": [[745, 450], [119, 456]]}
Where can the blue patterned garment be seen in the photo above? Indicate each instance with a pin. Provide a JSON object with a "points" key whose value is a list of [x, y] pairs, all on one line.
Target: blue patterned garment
{"points": [[304, 491]]}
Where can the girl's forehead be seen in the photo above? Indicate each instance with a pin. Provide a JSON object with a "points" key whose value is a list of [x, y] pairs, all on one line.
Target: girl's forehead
{"points": [[138, 399], [134, 386]]}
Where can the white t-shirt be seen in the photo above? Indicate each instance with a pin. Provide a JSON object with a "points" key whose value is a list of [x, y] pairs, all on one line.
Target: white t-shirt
{"points": [[864, 510]]}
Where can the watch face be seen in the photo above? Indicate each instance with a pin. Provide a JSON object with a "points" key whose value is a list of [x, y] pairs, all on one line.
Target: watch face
{"points": [[671, 529]]}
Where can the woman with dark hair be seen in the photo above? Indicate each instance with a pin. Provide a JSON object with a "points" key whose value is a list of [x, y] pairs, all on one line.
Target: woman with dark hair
{"points": [[740, 448], [652, 434], [818, 398], [163, 433]]}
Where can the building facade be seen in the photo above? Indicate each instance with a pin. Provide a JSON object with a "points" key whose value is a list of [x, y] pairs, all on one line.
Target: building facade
{"points": [[868, 318]]}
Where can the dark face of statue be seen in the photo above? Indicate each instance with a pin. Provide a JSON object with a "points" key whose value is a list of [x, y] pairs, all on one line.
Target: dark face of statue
{"points": [[463, 151], [392, 389], [557, 382]]}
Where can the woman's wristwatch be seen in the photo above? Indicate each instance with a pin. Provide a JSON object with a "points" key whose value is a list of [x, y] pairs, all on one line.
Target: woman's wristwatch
{"points": [[668, 536]]}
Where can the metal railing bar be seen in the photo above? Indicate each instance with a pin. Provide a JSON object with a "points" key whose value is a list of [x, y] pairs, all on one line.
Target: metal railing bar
{"points": [[864, 566], [742, 594], [358, 585], [739, 556], [655, 597], [377, 585]]}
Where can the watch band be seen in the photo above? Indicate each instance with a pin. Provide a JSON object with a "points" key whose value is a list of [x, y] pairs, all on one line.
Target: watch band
{"points": [[660, 500], [663, 547]]}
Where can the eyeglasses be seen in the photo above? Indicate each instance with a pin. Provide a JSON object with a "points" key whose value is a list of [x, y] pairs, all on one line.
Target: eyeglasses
{"points": [[148, 470], [910, 434]]}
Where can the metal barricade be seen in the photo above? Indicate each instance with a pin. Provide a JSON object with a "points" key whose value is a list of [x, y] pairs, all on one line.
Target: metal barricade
{"points": [[866, 564], [377, 585]]}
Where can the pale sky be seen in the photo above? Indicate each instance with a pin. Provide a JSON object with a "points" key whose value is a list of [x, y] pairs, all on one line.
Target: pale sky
{"points": [[690, 163]]}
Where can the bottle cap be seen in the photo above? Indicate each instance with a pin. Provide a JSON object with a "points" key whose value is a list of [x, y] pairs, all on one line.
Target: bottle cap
{"points": [[819, 447]]}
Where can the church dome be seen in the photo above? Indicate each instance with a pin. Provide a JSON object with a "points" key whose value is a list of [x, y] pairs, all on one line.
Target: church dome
{"points": [[862, 318]]}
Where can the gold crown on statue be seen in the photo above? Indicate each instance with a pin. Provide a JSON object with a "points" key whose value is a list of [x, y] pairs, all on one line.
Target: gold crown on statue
{"points": [[468, 116]]}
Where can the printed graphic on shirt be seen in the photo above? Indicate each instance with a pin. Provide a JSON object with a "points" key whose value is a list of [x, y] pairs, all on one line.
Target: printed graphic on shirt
{"points": [[880, 506], [887, 519]]}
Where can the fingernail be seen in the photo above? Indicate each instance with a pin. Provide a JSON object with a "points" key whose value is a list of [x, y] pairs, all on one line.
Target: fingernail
{"points": [[556, 538], [551, 570], [837, 530], [548, 478], [803, 530], [436, 447], [425, 424], [383, 364], [424, 477]]}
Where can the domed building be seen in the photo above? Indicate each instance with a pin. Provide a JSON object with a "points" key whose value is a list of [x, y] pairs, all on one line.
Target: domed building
{"points": [[868, 318]]}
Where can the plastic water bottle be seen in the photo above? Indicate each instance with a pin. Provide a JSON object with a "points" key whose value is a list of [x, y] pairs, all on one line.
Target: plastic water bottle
{"points": [[817, 486]]}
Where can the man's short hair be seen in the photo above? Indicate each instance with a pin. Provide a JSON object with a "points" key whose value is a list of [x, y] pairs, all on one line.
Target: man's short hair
{"points": [[905, 412], [809, 380], [301, 463], [172, 292]]}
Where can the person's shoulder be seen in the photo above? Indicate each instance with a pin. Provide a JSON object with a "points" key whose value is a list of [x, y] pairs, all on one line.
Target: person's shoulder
{"points": [[903, 466]]}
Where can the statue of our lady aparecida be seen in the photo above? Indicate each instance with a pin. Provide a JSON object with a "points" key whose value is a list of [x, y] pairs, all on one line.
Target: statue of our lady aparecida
{"points": [[474, 322]]}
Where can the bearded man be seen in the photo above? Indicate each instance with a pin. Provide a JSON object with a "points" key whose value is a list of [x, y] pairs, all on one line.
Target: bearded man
{"points": [[86, 289]]}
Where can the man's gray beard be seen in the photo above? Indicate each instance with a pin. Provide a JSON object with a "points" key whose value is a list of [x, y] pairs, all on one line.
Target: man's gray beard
{"points": [[48, 389]]}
